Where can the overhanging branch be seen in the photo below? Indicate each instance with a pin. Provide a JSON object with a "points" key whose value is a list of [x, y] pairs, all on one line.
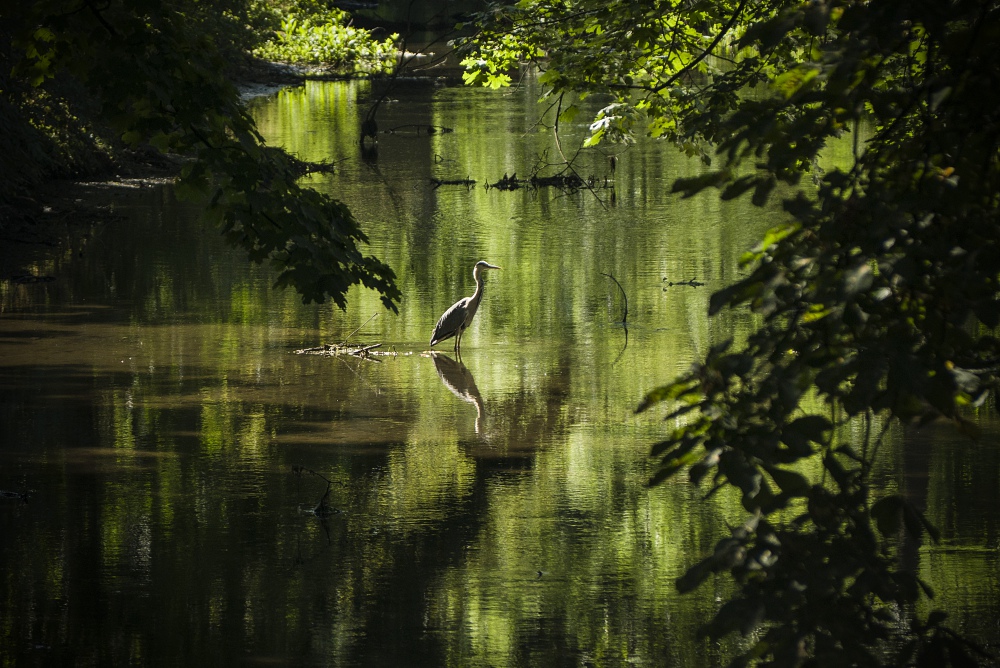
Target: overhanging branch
{"points": [[715, 42]]}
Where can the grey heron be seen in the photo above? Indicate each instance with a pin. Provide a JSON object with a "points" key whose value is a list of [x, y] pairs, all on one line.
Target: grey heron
{"points": [[460, 315]]}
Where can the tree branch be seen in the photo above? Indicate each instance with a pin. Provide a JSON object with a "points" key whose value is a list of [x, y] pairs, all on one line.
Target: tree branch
{"points": [[715, 42]]}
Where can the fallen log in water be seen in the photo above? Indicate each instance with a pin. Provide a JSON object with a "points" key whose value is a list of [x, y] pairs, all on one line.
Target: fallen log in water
{"points": [[562, 181], [355, 350], [571, 181], [507, 183], [437, 183], [417, 128]]}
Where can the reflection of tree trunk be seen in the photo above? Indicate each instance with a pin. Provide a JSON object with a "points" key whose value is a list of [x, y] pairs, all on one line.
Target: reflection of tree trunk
{"points": [[917, 449]]}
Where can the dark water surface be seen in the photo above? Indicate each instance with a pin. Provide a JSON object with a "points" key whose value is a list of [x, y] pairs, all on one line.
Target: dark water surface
{"points": [[484, 513]]}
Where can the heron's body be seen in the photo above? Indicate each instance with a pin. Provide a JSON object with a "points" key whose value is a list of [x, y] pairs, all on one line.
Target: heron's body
{"points": [[457, 318]]}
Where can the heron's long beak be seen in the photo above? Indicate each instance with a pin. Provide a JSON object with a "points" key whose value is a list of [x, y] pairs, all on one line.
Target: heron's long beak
{"points": [[493, 266]]}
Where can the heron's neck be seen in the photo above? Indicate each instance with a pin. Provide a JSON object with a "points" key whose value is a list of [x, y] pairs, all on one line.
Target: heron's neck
{"points": [[480, 286]]}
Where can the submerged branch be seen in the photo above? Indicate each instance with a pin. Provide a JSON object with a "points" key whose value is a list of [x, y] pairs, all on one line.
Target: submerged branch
{"points": [[624, 296], [322, 508]]}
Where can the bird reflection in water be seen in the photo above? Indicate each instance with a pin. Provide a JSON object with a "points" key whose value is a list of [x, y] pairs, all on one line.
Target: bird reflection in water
{"points": [[459, 380]]}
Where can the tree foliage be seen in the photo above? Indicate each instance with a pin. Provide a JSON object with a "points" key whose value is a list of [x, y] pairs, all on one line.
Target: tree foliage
{"points": [[877, 290], [316, 35], [153, 69]]}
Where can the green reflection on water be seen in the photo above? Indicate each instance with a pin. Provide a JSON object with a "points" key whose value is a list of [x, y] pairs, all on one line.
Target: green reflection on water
{"points": [[488, 513]]}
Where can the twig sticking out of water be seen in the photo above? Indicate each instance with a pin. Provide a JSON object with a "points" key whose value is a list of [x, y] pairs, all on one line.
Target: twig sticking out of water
{"points": [[624, 296], [322, 508], [348, 337], [357, 350]]}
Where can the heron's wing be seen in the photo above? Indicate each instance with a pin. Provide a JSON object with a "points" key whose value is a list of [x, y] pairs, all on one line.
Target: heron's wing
{"points": [[449, 323]]}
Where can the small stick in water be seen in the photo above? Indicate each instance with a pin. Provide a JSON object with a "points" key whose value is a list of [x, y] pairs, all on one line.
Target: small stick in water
{"points": [[374, 315]]}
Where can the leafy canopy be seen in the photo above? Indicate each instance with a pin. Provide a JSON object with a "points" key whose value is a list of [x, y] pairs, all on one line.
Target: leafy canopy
{"points": [[317, 35], [154, 69], [877, 291]]}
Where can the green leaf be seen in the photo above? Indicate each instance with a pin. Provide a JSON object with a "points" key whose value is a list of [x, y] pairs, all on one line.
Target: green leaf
{"points": [[768, 33], [568, 114], [888, 514], [798, 433], [661, 447], [694, 576], [735, 616], [816, 16], [792, 483], [763, 191], [497, 80], [738, 187], [665, 472], [706, 464], [732, 295], [776, 234], [795, 80], [857, 279], [671, 391], [916, 523], [691, 186], [594, 139]]}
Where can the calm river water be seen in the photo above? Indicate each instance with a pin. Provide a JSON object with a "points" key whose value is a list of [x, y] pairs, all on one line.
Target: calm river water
{"points": [[488, 512]]}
